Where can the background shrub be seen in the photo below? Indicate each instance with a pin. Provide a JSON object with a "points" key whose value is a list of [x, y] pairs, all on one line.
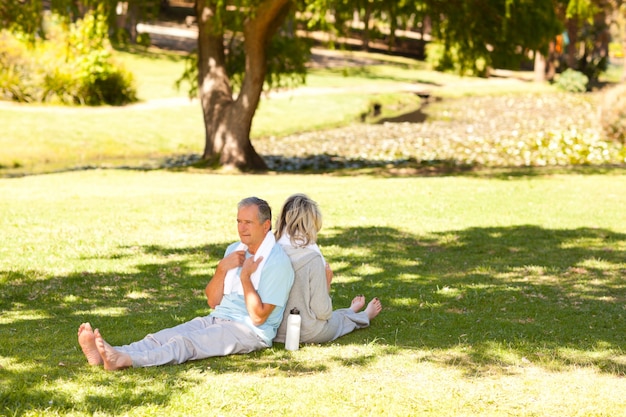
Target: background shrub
{"points": [[572, 81], [19, 78], [72, 65]]}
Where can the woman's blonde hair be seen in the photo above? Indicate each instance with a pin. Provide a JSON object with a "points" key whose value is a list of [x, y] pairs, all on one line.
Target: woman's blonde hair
{"points": [[301, 219]]}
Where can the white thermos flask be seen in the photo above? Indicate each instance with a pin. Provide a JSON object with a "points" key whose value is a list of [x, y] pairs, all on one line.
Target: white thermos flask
{"points": [[292, 340]]}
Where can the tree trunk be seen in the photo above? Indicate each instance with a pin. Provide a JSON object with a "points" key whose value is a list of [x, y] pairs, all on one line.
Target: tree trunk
{"points": [[545, 68], [366, 26], [540, 67], [393, 25], [131, 22], [228, 120], [603, 37], [551, 61], [622, 14], [572, 34]]}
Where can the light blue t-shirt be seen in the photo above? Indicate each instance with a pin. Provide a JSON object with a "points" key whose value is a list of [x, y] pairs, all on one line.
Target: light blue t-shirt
{"points": [[276, 280]]}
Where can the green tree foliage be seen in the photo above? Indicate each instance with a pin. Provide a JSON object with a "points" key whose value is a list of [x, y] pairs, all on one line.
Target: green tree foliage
{"points": [[591, 35], [287, 55], [471, 35], [23, 16], [493, 32], [26, 16]]}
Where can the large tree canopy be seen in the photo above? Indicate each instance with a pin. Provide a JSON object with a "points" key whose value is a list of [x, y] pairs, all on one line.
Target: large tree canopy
{"points": [[497, 32]]}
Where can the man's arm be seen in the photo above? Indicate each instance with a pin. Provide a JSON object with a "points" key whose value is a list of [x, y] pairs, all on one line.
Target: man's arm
{"points": [[257, 309], [214, 290]]}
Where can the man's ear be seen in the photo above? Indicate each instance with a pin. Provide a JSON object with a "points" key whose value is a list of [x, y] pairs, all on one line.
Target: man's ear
{"points": [[267, 226]]}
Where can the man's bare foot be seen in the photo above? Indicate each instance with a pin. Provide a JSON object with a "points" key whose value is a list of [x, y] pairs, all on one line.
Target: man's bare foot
{"points": [[113, 359], [357, 303], [87, 342], [373, 308]]}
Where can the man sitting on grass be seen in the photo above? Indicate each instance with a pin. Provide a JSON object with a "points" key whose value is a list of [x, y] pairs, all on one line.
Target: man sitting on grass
{"points": [[247, 293]]}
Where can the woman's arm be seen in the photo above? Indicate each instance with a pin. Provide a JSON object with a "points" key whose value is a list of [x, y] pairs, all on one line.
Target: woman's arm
{"points": [[329, 276], [320, 302]]}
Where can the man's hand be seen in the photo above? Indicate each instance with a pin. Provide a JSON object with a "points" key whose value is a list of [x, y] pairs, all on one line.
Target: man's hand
{"points": [[234, 260], [214, 290], [249, 266], [258, 310]]}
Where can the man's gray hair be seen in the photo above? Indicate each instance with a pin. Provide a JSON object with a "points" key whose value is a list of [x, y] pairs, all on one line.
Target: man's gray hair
{"points": [[265, 212]]}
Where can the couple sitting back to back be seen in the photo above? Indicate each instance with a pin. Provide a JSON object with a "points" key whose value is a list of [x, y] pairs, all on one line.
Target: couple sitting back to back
{"points": [[251, 293], [296, 231]]}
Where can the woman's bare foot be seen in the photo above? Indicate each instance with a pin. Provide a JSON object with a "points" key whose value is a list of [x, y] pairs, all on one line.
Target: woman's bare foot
{"points": [[113, 359], [358, 303], [87, 342], [373, 308]]}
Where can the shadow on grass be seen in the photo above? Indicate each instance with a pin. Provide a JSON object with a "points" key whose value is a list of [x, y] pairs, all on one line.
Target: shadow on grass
{"points": [[40, 317], [475, 299], [342, 166], [498, 296]]}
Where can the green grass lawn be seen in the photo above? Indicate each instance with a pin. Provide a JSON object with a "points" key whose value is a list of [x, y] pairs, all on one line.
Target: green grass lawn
{"points": [[503, 294], [503, 290]]}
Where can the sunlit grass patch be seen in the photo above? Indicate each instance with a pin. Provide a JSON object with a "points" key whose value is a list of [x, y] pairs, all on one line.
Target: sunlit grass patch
{"points": [[23, 314]]}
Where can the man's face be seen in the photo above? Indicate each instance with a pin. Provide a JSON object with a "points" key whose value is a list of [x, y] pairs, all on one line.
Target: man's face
{"points": [[251, 231]]}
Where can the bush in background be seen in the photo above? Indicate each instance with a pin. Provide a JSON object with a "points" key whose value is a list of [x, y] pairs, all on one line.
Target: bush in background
{"points": [[572, 81], [72, 65], [20, 79], [613, 114]]}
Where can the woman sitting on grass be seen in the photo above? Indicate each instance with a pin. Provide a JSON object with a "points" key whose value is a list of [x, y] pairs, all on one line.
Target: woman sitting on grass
{"points": [[296, 231]]}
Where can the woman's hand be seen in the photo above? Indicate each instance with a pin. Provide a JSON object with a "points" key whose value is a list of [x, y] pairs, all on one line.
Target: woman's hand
{"points": [[329, 275]]}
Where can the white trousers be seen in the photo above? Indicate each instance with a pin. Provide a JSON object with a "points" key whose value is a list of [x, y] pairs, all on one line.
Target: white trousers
{"points": [[199, 338], [342, 322]]}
